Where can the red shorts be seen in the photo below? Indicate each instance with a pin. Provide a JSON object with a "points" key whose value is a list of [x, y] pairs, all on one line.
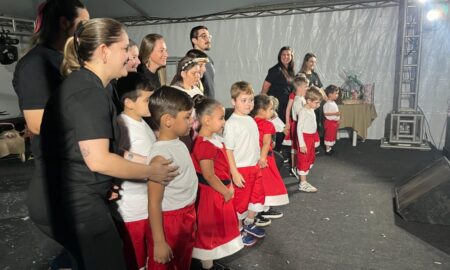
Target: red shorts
{"points": [[179, 231], [274, 188], [331, 127], [134, 236], [306, 161], [218, 233], [251, 196]]}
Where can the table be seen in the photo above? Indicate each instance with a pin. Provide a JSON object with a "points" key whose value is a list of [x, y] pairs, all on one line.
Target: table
{"points": [[359, 117]]}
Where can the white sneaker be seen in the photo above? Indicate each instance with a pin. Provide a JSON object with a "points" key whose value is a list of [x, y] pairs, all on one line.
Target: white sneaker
{"points": [[307, 187]]}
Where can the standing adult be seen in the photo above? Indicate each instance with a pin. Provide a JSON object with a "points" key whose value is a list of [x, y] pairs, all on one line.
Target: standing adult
{"points": [[279, 83], [79, 140], [201, 40], [153, 56], [308, 66], [36, 77]]}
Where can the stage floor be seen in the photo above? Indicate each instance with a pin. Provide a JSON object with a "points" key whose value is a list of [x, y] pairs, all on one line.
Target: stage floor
{"points": [[348, 224]]}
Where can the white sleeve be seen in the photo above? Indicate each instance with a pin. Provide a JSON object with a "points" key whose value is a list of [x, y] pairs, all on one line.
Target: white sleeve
{"points": [[229, 136], [301, 127]]}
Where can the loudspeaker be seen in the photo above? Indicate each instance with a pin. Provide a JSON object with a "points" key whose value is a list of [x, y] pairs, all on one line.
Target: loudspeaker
{"points": [[8, 54], [425, 197]]}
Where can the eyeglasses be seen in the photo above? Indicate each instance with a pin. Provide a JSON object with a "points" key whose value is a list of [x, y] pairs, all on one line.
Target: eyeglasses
{"points": [[205, 36]]}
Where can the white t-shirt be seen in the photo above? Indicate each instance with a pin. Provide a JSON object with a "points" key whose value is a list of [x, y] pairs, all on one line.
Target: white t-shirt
{"points": [[330, 107], [194, 91], [242, 136], [299, 103], [135, 137], [306, 123], [182, 190]]}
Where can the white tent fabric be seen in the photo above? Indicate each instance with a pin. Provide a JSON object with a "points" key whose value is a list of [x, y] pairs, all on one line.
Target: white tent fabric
{"points": [[361, 40]]}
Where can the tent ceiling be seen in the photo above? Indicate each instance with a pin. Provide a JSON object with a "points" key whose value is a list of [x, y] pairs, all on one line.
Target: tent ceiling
{"points": [[175, 9]]}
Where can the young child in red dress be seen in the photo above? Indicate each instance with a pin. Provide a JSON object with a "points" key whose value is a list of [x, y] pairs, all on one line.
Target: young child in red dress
{"points": [[218, 233], [308, 138], [332, 117], [274, 188]]}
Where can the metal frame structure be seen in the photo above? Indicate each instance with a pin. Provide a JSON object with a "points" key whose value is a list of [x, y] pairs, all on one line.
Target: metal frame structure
{"points": [[406, 122], [20, 27], [303, 7]]}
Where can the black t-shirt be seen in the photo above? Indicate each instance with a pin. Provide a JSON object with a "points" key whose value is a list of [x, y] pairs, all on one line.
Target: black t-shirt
{"points": [[314, 79], [208, 79], [152, 77], [81, 110], [280, 88], [36, 77]]}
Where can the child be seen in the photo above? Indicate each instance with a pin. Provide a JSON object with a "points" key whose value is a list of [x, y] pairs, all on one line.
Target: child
{"points": [[274, 188], [301, 85], [218, 233], [171, 208], [137, 139], [242, 147], [308, 139], [332, 117]]}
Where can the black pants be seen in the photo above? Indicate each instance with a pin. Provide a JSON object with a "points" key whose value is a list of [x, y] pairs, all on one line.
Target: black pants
{"points": [[93, 243]]}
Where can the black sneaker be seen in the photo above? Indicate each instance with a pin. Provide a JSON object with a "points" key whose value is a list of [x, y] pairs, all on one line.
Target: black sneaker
{"points": [[221, 266], [329, 153], [272, 214], [262, 221]]}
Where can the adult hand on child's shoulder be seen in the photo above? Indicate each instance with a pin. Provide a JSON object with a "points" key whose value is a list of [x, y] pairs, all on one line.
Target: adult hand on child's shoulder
{"points": [[162, 170]]}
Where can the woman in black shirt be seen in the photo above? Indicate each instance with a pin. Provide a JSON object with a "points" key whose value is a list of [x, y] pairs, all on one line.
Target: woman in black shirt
{"points": [[308, 65], [278, 83], [36, 77], [153, 55], [79, 142]]}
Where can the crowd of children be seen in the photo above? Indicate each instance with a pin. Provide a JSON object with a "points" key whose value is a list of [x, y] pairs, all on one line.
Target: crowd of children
{"points": [[227, 185]]}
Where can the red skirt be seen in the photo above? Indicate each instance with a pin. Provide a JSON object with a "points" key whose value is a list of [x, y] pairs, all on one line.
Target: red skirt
{"points": [[179, 231], [331, 127], [251, 196], [274, 188], [218, 233], [306, 161]]}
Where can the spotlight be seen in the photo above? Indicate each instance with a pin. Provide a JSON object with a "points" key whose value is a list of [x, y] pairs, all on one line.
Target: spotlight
{"points": [[434, 15], [422, 1]]}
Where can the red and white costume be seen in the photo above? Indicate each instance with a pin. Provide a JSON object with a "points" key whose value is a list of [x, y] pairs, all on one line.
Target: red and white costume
{"points": [[135, 137], [178, 209], [242, 136], [274, 188], [218, 233], [307, 137], [299, 103], [331, 122]]}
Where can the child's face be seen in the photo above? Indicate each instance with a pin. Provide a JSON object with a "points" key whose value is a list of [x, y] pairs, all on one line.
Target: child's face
{"points": [[183, 123], [268, 112], [217, 120], [313, 104], [191, 76], [300, 90], [333, 96], [243, 104], [140, 106]]}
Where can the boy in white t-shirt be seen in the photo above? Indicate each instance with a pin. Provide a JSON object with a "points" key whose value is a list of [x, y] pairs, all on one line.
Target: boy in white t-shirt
{"points": [[242, 145], [136, 140], [171, 208], [332, 118]]}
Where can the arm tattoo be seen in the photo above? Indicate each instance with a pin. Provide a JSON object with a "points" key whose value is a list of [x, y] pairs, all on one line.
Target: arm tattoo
{"points": [[85, 151]]}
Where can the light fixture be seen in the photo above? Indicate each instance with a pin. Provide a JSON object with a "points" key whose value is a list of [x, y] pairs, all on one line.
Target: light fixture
{"points": [[434, 15]]}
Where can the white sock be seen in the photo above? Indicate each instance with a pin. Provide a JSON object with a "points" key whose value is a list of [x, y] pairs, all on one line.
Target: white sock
{"points": [[249, 221], [207, 264]]}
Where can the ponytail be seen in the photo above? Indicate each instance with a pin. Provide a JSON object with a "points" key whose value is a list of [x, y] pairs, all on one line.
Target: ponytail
{"points": [[204, 105], [70, 62]]}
